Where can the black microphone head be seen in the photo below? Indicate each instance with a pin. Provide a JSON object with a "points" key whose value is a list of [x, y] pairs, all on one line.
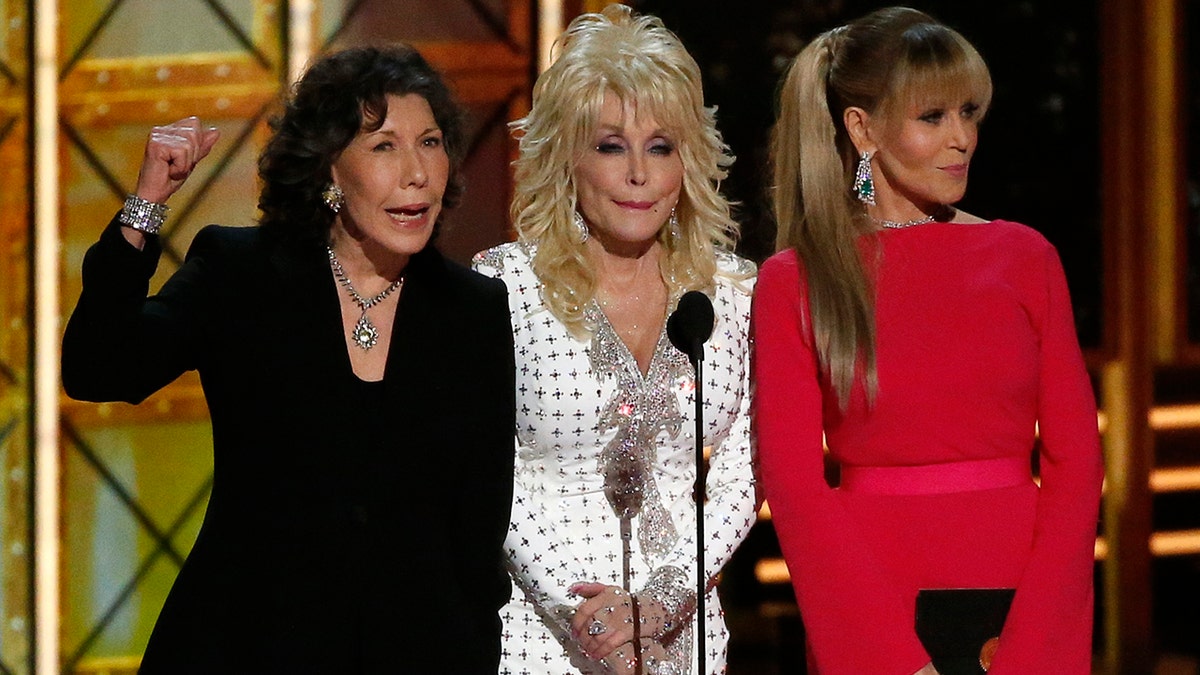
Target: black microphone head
{"points": [[691, 324]]}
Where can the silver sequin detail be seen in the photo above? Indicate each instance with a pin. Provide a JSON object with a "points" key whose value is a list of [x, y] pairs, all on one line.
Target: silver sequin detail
{"points": [[738, 269], [493, 258], [639, 409], [654, 667], [670, 587]]}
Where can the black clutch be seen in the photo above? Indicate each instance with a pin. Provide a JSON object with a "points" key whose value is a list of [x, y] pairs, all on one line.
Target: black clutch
{"points": [[960, 627]]}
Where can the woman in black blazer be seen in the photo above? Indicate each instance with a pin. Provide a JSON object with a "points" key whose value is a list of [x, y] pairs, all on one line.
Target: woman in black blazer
{"points": [[360, 387]]}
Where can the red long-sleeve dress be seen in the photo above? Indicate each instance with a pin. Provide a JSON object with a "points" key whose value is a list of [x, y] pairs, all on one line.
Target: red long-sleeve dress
{"points": [[977, 355]]}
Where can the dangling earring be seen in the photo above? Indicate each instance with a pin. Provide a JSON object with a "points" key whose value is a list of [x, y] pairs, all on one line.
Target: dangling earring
{"points": [[864, 184], [673, 224], [334, 198], [581, 226]]}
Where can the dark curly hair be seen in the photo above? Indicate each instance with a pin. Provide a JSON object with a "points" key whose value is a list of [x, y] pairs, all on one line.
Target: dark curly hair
{"points": [[340, 95]]}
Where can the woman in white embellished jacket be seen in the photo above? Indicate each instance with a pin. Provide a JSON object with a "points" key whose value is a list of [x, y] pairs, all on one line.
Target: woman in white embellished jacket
{"points": [[617, 213]]}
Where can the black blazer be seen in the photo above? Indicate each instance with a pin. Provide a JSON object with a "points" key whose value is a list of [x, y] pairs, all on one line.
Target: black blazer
{"points": [[351, 528]]}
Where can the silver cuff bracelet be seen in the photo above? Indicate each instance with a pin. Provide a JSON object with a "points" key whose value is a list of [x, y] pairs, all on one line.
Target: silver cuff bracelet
{"points": [[142, 215]]}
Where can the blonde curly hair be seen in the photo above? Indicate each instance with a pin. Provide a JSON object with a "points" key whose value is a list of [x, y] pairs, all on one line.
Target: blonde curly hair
{"points": [[637, 59]]}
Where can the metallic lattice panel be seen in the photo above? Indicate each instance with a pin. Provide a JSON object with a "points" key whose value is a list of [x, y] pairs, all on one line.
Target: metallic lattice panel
{"points": [[136, 496]]}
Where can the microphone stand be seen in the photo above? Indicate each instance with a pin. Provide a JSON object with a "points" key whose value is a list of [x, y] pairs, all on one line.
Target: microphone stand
{"points": [[626, 537], [699, 492]]}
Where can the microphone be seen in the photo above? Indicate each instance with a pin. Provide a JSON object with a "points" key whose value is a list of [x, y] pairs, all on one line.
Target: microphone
{"points": [[691, 324]]}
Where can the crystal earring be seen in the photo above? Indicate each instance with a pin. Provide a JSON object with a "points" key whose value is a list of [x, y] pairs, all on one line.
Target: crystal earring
{"points": [[864, 184], [673, 224], [581, 226], [334, 198]]}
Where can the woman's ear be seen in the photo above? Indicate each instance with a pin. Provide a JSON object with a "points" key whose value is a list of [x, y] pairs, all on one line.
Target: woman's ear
{"points": [[858, 126]]}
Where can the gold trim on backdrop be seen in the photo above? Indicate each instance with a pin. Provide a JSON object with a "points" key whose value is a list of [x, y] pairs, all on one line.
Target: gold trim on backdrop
{"points": [[1162, 544], [1164, 417], [550, 24], [46, 336], [1175, 479], [300, 34], [1129, 315], [156, 90], [182, 402], [1164, 166]]}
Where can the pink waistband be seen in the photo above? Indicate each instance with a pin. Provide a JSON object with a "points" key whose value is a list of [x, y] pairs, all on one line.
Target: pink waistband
{"points": [[981, 474]]}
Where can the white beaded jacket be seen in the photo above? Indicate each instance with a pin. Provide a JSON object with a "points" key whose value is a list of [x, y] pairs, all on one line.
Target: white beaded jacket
{"points": [[590, 425]]}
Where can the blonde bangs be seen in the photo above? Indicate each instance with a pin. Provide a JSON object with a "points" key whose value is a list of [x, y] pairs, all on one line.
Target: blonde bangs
{"points": [[652, 86], [940, 69]]}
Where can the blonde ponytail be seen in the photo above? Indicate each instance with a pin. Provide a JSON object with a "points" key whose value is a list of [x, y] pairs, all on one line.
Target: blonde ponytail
{"points": [[816, 217]]}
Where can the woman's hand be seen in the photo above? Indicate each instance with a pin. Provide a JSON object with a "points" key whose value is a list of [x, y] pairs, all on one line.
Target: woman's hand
{"points": [[605, 620], [927, 670], [172, 152]]}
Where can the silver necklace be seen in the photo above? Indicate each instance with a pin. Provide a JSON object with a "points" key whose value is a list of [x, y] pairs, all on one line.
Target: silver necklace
{"points": [[900, 225], [365, 334]]}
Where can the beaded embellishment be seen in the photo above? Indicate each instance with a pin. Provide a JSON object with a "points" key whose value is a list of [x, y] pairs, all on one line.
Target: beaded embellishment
{"points": [[493, 257], [639, 409]]}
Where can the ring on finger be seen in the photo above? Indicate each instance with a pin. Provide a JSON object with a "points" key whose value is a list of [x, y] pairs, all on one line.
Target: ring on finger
{"points": [[596, 627]]}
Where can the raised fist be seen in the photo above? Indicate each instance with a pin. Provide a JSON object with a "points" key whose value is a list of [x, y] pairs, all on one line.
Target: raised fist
{"points": [[172, 151]]}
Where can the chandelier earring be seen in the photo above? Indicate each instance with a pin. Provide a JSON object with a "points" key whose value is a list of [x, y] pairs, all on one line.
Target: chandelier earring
{"points": [[864, 183], [581, 226], [333, 197], [673, 225]]}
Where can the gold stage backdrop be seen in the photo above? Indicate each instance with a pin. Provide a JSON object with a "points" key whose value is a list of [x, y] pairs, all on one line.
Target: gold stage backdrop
{"points": [[135, 480]]}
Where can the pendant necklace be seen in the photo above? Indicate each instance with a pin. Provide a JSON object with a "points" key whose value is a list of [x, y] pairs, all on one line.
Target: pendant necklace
{"points": [[365, 335]]}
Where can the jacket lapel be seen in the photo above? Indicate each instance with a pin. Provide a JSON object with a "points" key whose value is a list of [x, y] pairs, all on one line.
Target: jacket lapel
{"points": [[415, 333], [311, 320]]}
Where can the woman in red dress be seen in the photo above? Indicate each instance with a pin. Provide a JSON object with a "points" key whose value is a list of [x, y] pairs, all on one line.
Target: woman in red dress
{"points": [[934, 351]]}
